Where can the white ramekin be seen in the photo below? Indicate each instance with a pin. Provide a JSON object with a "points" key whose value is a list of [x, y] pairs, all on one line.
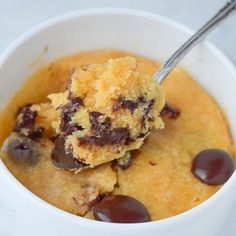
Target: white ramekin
{"points": [[23, 213]]}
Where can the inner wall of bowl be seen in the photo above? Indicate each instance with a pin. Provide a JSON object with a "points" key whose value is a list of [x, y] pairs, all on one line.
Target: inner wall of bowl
{"points": [[156, 38]]}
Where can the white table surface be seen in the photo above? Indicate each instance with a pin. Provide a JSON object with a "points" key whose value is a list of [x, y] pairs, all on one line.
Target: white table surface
{"points": [[17, 16]]}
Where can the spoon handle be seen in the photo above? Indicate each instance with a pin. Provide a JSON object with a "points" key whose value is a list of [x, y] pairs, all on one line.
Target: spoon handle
{"points": [[170, 64]]}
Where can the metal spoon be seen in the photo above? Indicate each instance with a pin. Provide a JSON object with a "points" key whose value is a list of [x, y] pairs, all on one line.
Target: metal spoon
{"points": [[170, 64]]}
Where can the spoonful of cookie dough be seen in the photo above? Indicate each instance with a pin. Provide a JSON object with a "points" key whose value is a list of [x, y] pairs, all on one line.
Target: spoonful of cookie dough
{"points": [[107, 110]]}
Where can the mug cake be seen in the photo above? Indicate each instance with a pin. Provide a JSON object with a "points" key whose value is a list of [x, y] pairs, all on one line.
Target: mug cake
{"points": [[95, 135]]}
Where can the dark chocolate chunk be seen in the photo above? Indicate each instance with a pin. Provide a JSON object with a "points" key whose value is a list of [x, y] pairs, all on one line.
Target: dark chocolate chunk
{"points": [[27, 118], [25, 126], [36, 132], [76, 102], [213, 166], [99, 128], [149, 108], [63, 160], [131, 105], [142, 99], [125, 104], [65, 119], [67, 112], [71, 128], [128, 104], [103, 134], [117, 136], [170, 111], [146, 115], [120, 209], [22, 150]]}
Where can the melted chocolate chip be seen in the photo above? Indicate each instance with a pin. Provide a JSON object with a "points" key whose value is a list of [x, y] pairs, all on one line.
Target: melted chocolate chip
{"points": [[131, 105], [120, 209], [22, 150], [76, 102], [103, 134], [25, 126], [63, 160], [99, 128], [36, 132], [170, 111], [147, 112], [142, 99], [67, 112], [212, 166], [73, 128], [117, 136], [27, 118], [125, 104]]}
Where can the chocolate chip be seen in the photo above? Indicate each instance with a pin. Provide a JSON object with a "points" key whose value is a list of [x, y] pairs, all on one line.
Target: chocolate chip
{"points": [[170, 111], [125, 104], [149, 108], [99, 128], [25, 125], [117, 136], [22, 150], [128, 104], [213, 166], [63, 160], [65, 119], [36, 132], [76, 102], [67, 111], [120, 209], [146, 115], [27, 118], [94, 115], [103, 134], [71, 128]]}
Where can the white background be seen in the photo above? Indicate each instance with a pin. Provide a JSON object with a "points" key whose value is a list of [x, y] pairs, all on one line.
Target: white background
{"points": [[17, 16]]}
